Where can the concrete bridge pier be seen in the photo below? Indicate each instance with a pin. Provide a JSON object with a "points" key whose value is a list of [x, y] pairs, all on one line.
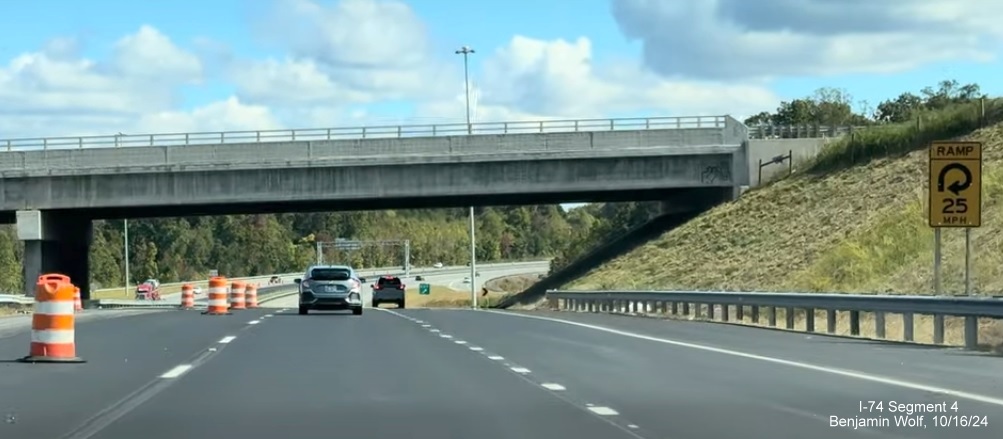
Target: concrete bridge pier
{"points": [[55, 242]]}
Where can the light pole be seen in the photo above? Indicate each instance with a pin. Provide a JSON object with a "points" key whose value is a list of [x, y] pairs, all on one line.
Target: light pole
{"points": [[125, 249], [466, 52]]}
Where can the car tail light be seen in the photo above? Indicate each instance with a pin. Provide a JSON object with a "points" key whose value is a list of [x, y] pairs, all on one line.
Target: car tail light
{"points": [[403, 286]]}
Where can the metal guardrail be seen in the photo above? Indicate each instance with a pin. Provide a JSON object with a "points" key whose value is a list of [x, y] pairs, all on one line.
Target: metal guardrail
{"points": [[25, 300], [373, 132], [263, 291], [264, 294], [672, 302]]}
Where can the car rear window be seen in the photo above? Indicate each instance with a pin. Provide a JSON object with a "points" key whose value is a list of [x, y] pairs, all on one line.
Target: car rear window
{"points": [[389, 282], [333, 274]]}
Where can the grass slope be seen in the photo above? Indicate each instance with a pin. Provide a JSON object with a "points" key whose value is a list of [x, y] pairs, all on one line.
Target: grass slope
{"points": [[841, 227]]}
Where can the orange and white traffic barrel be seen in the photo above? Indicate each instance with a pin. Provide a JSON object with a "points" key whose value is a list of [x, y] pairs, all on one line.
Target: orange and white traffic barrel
{"points": [[187, 296], [78, 303], [53, 339], [237, 293], [217, 297], [251, 296]]}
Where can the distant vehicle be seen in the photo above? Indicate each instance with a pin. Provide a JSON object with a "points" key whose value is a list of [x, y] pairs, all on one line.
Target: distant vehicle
{"points": [[330, 288], [466, 280], [389, 289], [419, 278], [148, 290], [438, 265], [197, 291], [275, 280]]}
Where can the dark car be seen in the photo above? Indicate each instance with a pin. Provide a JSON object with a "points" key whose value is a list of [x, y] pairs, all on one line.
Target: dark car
{"points": [[330, 288], [389, 289]]}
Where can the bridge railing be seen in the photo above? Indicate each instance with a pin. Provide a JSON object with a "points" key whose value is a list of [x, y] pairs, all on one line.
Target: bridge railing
{"points": [[720, 304], [808, 131], [371, 132]]}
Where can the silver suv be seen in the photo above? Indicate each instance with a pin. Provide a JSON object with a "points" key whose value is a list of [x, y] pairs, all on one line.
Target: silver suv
{"points": [[330, 288]]}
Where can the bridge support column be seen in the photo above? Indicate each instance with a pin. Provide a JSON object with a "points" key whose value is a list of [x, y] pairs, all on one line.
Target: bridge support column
{"points": [[55, 242]]}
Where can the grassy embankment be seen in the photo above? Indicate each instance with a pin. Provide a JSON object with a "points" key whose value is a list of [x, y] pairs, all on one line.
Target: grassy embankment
{"points": [[852, 221]]}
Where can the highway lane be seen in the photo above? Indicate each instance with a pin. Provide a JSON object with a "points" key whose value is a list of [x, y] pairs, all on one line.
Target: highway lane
{"points": [[946, 367], [123, 355], [13, 325], [686, 391], [372, 376], [448, 276]]}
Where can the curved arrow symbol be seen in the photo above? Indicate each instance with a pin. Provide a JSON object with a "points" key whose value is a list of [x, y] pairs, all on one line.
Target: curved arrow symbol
{"points": [[957, 186]]}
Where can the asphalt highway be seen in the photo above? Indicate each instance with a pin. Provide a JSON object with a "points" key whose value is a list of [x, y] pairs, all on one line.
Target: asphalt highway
{"points": [[482, 374]]}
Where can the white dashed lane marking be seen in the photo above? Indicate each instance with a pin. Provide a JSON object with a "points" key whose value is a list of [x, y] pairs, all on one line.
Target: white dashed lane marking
{"points": [[227, 339], [177, 371], [603, 411], [254, 322], [556, 389]]}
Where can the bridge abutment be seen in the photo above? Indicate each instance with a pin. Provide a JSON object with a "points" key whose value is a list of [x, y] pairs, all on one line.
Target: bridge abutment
{"points": [[55, 242]]}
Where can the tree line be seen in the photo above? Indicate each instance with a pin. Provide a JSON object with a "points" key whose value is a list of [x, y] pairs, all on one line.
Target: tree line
{"points": [[175, 249]]}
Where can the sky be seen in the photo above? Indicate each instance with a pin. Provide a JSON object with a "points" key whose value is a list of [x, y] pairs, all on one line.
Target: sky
{"points": [[104, 67]]}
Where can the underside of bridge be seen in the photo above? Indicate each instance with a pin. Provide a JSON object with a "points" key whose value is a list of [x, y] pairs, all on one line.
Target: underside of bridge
{"points": [[58, 241]]}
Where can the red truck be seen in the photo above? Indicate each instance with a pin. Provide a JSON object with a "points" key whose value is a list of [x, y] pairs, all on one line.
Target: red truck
{"points": [[149, 290]]}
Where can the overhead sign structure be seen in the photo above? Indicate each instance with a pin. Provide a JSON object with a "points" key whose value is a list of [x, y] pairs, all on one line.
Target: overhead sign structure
{"points": [[955, 184]]}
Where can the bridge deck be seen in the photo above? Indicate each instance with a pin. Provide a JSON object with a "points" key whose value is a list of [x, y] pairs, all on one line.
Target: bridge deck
{"points": [[372, 132]]}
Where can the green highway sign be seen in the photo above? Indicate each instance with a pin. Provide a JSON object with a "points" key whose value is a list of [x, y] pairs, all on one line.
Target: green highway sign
{"points": [[424, 289]]}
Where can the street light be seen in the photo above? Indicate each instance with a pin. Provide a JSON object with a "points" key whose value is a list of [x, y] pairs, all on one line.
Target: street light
{"points": [[125, 247], [466, 52]]}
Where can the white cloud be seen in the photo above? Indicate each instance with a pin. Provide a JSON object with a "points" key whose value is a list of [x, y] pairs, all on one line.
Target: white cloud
{"points": [[338, 64], [768, 38], [55, 91], [364, 51]]}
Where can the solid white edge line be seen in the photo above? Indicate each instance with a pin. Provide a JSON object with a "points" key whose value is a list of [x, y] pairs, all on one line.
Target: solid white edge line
{"points": [[830, 370], [176, 371], [227, 339]]}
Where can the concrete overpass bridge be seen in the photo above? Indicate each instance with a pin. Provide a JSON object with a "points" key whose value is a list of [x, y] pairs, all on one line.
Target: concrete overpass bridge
{"points": [[52, 188]]}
